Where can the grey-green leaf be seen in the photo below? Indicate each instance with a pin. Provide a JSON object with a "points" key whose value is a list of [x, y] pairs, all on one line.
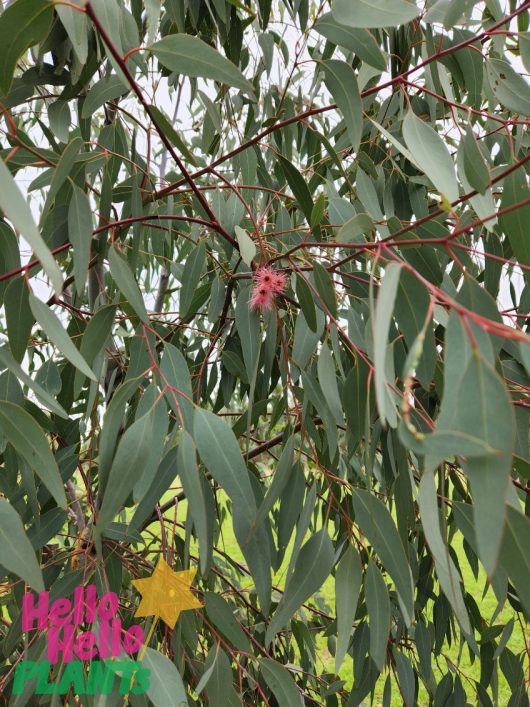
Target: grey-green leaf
{"points": [[28, 438], [191, 483], [220, 452], [16, 553], [431, 153], [381, 325], [122, 274], [348, 580], [54, 330], [374, 13], [342, 84], [16, 208], [131, 458], [166, 688], [247, 247], [279, 679], [80, 234], [191, 56], [312, 567], [359, 41], [377, 524], [378, 605]]}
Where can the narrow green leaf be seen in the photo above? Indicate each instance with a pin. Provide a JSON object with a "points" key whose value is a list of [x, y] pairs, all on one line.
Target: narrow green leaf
{"points": [[306, 340], [514, 556], [174, 370], [342, 84], [16, 553], [173, 135], [359, 41], [374, 13], [75, 24], [248, 328], [7, 360], [19, 318], [482, 411], [103, 91], [54, 330], [381, 325], [80, 234], [221, 614], [325, 287], [131, 458], [279, 481], [353, 230], [312, 567], [279, 680], [327, 378], [515, 223], [123, 276], [17, 210], [446, 571], [307, 302], [511, 89], [111, 425], [60, 174], [60, 119], [378, 605], [220, 452], [28, 438], [476, 169], [191, 483], [22, 24], [190, 277], [431, 153], [191, 56], [165, 684], [247, 247], [348, 580], [377, 524], [298, 186]]}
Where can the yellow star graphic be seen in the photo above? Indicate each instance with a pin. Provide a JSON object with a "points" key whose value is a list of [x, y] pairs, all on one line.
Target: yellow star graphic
{"points": [[166, 593]]}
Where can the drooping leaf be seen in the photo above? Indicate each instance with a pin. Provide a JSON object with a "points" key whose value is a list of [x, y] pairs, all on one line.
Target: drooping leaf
{"points": [[312, 567], [124, 278], [17, 210], [375, 13], [16, 552], [431, 153], [342, 84], [51, 325], [381, 326], [247, 247], [28, 438], [131, 457], [378, 605], [376, 523], [80, 234], [165, 683], [348, 582], [281, 683], [22, 24], [192, 57], [359, 41]]}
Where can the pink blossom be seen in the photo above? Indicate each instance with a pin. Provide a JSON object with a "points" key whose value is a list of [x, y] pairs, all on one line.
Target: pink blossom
{"points": [[267, 284], [261, 298]]}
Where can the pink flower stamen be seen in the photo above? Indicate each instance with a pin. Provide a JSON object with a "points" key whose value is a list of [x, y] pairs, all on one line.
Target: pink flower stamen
{"points": [[267, 284]]}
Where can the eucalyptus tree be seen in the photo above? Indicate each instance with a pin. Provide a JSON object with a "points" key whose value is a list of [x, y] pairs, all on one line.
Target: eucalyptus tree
{"points": [[264, 276]]}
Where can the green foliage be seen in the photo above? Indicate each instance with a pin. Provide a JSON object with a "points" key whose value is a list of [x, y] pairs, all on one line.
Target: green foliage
{"points": [[343, 461]]}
